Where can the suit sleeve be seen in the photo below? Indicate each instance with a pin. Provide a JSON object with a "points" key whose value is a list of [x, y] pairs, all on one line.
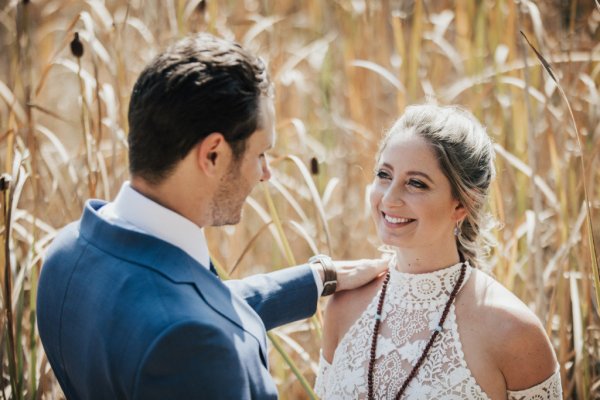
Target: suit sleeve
{"points": [[191, 360], [279, 297]]}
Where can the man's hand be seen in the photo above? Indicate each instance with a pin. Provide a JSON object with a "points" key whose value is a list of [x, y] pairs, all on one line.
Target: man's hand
{"points": [[356, 273]]}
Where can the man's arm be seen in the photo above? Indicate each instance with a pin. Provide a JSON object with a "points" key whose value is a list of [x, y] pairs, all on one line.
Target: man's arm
{"points": [[290, 294], [279, 297]]}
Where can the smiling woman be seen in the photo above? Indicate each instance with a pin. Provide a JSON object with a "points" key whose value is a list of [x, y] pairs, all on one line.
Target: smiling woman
{"points": [[411, 199], [436, 326]]}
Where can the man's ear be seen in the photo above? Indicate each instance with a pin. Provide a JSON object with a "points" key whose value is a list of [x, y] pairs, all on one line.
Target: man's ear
{"points": [[212, 153]]}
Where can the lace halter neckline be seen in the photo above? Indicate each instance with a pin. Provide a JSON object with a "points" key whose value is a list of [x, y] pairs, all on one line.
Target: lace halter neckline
{"points": [[425, 289]]}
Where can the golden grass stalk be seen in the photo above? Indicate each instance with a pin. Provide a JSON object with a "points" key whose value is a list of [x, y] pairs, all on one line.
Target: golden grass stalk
{"points": [[48, 66], [267, 219], [290, 362], [586, 198], [316, 198], [10, 99], [537, 204], [289, 198], [414, 52], [539, 182], [7, 295], [580, 379], [249, 247], [88, 138], [289, 255]]}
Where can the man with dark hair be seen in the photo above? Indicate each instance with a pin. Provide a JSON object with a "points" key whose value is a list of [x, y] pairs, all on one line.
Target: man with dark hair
{"points": [[199, 86], [129, 305]]}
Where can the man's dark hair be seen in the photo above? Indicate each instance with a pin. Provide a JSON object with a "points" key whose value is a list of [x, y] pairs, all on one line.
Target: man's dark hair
{"points": [[199, 85]]}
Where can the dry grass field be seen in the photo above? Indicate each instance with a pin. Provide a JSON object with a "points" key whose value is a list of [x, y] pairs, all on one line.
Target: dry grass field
{"points": [[344, 70]]}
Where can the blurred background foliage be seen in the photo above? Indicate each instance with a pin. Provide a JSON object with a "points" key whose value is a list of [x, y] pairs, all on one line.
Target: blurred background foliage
{"points": [[344, 71]]}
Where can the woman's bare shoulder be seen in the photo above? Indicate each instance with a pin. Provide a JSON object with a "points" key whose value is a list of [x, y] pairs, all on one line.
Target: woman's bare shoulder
{"points": [[516, 337], [342, 310]]}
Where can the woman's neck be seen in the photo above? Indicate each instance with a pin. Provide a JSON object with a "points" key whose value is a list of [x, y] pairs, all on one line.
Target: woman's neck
{"points": [[420, 262]]}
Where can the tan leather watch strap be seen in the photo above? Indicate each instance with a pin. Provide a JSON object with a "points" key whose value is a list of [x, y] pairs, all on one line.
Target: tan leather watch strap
{"points": [[329, 273]]}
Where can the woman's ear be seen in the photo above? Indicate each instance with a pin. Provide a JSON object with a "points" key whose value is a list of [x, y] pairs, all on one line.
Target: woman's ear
{"points": [[460, 212], [212, 153]]}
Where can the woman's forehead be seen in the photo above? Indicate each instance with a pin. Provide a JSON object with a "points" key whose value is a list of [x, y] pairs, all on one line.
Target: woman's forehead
{"points": [[407, 145]]}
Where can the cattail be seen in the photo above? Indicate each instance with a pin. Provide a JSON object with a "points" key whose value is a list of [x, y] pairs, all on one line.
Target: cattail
{"points": [[314, 166], [76, 46], [5, 180], [201, 7]]}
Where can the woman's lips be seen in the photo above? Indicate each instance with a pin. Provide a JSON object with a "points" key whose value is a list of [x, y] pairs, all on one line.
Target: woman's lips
{"points": [[396, 220]]}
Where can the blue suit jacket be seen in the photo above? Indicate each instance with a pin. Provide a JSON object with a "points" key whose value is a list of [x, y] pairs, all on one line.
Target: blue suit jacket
{"points": [[123, 315]]}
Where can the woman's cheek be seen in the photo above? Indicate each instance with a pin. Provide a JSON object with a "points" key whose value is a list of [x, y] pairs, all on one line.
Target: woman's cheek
{"points": [[375, 195]]}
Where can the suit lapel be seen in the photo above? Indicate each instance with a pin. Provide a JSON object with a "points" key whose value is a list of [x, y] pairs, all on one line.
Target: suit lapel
{"points": [[214, 270], [232, 307], [173, 263]]}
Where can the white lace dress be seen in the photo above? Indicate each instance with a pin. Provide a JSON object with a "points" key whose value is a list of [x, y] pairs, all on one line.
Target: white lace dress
{"points": [[412, 309]]}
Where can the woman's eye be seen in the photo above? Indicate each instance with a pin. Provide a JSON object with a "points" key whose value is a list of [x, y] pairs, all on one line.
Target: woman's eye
{"points": [[382, 175], [416, 183]]}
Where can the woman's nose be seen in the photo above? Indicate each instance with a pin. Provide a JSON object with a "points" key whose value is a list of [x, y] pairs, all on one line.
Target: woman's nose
{"points": [[393, 196]]}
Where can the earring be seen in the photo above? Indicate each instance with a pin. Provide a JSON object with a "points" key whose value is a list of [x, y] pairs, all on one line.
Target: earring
{"points": [[457, 230]]}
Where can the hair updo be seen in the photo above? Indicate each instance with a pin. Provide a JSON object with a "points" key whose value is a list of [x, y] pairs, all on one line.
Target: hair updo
{"points": [[466, 157]]}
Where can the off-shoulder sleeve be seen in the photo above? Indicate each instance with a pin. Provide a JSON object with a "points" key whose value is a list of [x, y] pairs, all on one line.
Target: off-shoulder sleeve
{"points": [[322, 377], [550, 389]]}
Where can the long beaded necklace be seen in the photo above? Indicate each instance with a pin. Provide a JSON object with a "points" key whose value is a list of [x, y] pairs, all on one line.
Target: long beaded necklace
{"points": [[434, 335]]}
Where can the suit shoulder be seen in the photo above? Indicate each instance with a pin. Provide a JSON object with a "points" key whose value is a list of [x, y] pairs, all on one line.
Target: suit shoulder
{"points": [[65, 242]]}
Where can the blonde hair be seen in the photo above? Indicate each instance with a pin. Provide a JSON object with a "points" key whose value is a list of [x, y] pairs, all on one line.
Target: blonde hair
{"points": [[466, 157]]}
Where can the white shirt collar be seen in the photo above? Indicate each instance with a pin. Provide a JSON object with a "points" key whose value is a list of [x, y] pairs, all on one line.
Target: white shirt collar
{"points": [[132, 210]]}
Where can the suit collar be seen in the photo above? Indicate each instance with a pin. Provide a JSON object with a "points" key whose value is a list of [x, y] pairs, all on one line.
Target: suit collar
{"points": [[173, 263], [132, 208]]}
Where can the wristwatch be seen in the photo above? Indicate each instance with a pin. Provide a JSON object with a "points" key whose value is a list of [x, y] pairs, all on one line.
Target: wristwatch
{"points": [[329, 273]]}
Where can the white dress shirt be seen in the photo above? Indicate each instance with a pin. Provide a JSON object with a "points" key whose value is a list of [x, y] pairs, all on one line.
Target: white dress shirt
{"points": [[134, 211]]}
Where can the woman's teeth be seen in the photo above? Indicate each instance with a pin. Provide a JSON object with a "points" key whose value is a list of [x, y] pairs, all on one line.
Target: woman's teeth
{"points": [[396, 220]]}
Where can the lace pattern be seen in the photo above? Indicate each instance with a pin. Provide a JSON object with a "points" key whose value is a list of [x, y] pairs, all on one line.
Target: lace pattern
{"points": [[411, 311], [550, 389]]}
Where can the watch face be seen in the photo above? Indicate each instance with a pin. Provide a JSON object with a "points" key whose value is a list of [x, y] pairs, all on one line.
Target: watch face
{"points": [[329, 288]]}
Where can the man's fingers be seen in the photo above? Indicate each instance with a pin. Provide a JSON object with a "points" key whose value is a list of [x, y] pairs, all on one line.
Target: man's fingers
{"points": [[386, 262], [356, 273], [380, 264], [384, 265]]}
